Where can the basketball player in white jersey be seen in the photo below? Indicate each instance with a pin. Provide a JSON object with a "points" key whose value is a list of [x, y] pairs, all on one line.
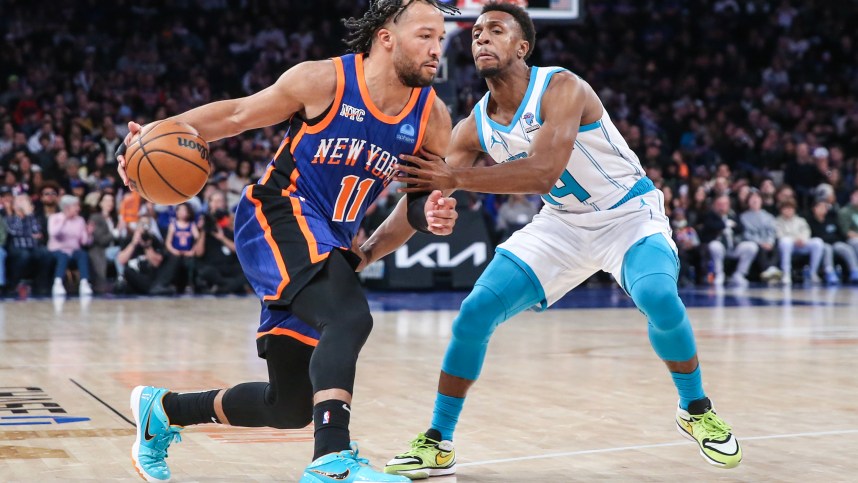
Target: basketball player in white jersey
{"points": [[549, 133]]}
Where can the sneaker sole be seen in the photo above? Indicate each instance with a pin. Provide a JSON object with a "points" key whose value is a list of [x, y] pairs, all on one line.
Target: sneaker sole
{"points": [[709, 460], [135, 411], [424, 473], [307, 478]]}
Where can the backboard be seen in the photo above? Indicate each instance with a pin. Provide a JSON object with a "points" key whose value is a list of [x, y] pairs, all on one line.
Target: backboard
{"points": [[551, 10]]}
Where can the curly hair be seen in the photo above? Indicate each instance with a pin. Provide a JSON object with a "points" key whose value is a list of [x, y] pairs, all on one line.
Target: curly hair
{"points": [[362, 30]]}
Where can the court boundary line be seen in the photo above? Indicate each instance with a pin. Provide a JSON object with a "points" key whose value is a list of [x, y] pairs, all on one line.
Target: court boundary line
{"points": [[108, 406], [648, 446]]}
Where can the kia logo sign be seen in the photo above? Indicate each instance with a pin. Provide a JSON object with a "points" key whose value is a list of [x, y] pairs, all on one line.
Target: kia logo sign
{"points": [[437, 255]]}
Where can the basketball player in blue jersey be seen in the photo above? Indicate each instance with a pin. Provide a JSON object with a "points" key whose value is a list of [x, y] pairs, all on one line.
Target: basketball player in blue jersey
{"points": [[351, 119], [550, 134]]}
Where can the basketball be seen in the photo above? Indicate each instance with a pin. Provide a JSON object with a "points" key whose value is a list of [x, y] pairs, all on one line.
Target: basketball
{"points": [[168, 162]]}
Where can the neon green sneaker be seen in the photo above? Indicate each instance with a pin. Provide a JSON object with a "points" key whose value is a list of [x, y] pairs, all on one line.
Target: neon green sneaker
{"points": [[426, 458], [717, 444]]}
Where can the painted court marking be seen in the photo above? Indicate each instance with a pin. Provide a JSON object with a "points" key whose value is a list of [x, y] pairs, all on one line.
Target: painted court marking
{"points": [[648, 446]]}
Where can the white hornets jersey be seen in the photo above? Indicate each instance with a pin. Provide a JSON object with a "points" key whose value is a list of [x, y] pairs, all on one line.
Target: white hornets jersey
{"points": [[602, 173]]}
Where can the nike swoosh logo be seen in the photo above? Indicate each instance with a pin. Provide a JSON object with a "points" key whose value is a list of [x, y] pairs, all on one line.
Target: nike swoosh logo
{"points": [[729, 447], [146, 434], [347, 408], [333, 476], [443, 460]]}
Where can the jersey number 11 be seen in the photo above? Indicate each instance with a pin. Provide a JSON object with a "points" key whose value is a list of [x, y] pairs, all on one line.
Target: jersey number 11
{"points": [[347, 187]]}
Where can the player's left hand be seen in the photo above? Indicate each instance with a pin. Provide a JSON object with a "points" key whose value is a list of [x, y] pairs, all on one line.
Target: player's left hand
{"points": [[133, 130], [428, 172], [440, 213]]}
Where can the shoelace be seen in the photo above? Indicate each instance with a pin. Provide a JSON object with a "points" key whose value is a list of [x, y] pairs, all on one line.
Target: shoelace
{"points": [[164, 441], [713, 425], [351, 458], [421, 441]]}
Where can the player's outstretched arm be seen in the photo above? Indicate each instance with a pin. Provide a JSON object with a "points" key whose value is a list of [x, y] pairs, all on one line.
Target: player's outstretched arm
{"points": [[562, 109], [438, 208], [309, 87]]}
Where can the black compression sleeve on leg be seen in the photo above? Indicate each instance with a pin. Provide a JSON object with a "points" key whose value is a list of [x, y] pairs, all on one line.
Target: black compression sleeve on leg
{"points": [[416, 213], [190, 408], [286, 401], [342, 332]]}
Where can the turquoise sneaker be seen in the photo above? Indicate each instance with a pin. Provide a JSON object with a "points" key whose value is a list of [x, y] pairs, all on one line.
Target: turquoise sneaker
{"points": [[154, 433], [346, 467]]}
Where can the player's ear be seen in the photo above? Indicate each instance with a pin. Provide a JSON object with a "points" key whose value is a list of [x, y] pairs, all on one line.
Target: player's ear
{"points": [[523, 49], [385, 38]]}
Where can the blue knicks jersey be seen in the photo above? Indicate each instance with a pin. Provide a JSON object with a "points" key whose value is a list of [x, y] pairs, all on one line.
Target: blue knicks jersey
{"points": [[338, 163]]}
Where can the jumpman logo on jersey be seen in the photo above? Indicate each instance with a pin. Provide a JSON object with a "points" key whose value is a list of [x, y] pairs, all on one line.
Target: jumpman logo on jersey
{"points": [[498, 139]]}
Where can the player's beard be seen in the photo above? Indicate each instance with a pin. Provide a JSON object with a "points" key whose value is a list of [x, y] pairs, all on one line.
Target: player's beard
{"points": [[488, 72], [410, 72]]}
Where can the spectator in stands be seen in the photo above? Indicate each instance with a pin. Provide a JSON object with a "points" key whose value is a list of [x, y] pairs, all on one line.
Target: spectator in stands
{"points": [[148, 267], [219, 271], [129, 209], [823, 225], [759, 226], [697, 207], [7, 199], [784, 194], [68, 234], [7, 139], [722, 232], [794, 238], [688, 249], [27, 252], [47, 205], [182, 237], [514, 213], [847, 217], [237, 180], [106, 230]]}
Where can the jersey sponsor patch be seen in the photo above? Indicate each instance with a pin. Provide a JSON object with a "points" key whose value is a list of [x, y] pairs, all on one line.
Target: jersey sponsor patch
{"points": [[406, 133], [528, 123]]}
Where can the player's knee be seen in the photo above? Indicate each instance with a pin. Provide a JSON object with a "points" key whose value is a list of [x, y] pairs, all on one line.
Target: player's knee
{"points": [[362, 325], [657, 297], [480, 314], [292, 418], [352, 326]]}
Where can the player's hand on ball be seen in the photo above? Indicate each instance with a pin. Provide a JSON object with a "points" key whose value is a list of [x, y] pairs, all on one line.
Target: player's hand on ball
{"points": [[440, 213], [427, 172], [133, 130]]}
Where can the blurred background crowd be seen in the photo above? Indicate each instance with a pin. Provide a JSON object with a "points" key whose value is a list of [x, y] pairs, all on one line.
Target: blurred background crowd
{"points": [[743, 114]]}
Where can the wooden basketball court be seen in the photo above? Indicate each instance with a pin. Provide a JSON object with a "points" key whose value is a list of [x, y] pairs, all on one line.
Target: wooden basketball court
{"points": [[573, 394]]}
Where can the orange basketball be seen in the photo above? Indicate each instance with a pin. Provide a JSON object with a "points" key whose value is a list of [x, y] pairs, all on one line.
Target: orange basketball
{"points": [[168, 162]]}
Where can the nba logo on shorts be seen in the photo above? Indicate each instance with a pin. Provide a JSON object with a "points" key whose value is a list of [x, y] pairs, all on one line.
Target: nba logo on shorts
{"points": [[326, 417], [406, 133]]}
